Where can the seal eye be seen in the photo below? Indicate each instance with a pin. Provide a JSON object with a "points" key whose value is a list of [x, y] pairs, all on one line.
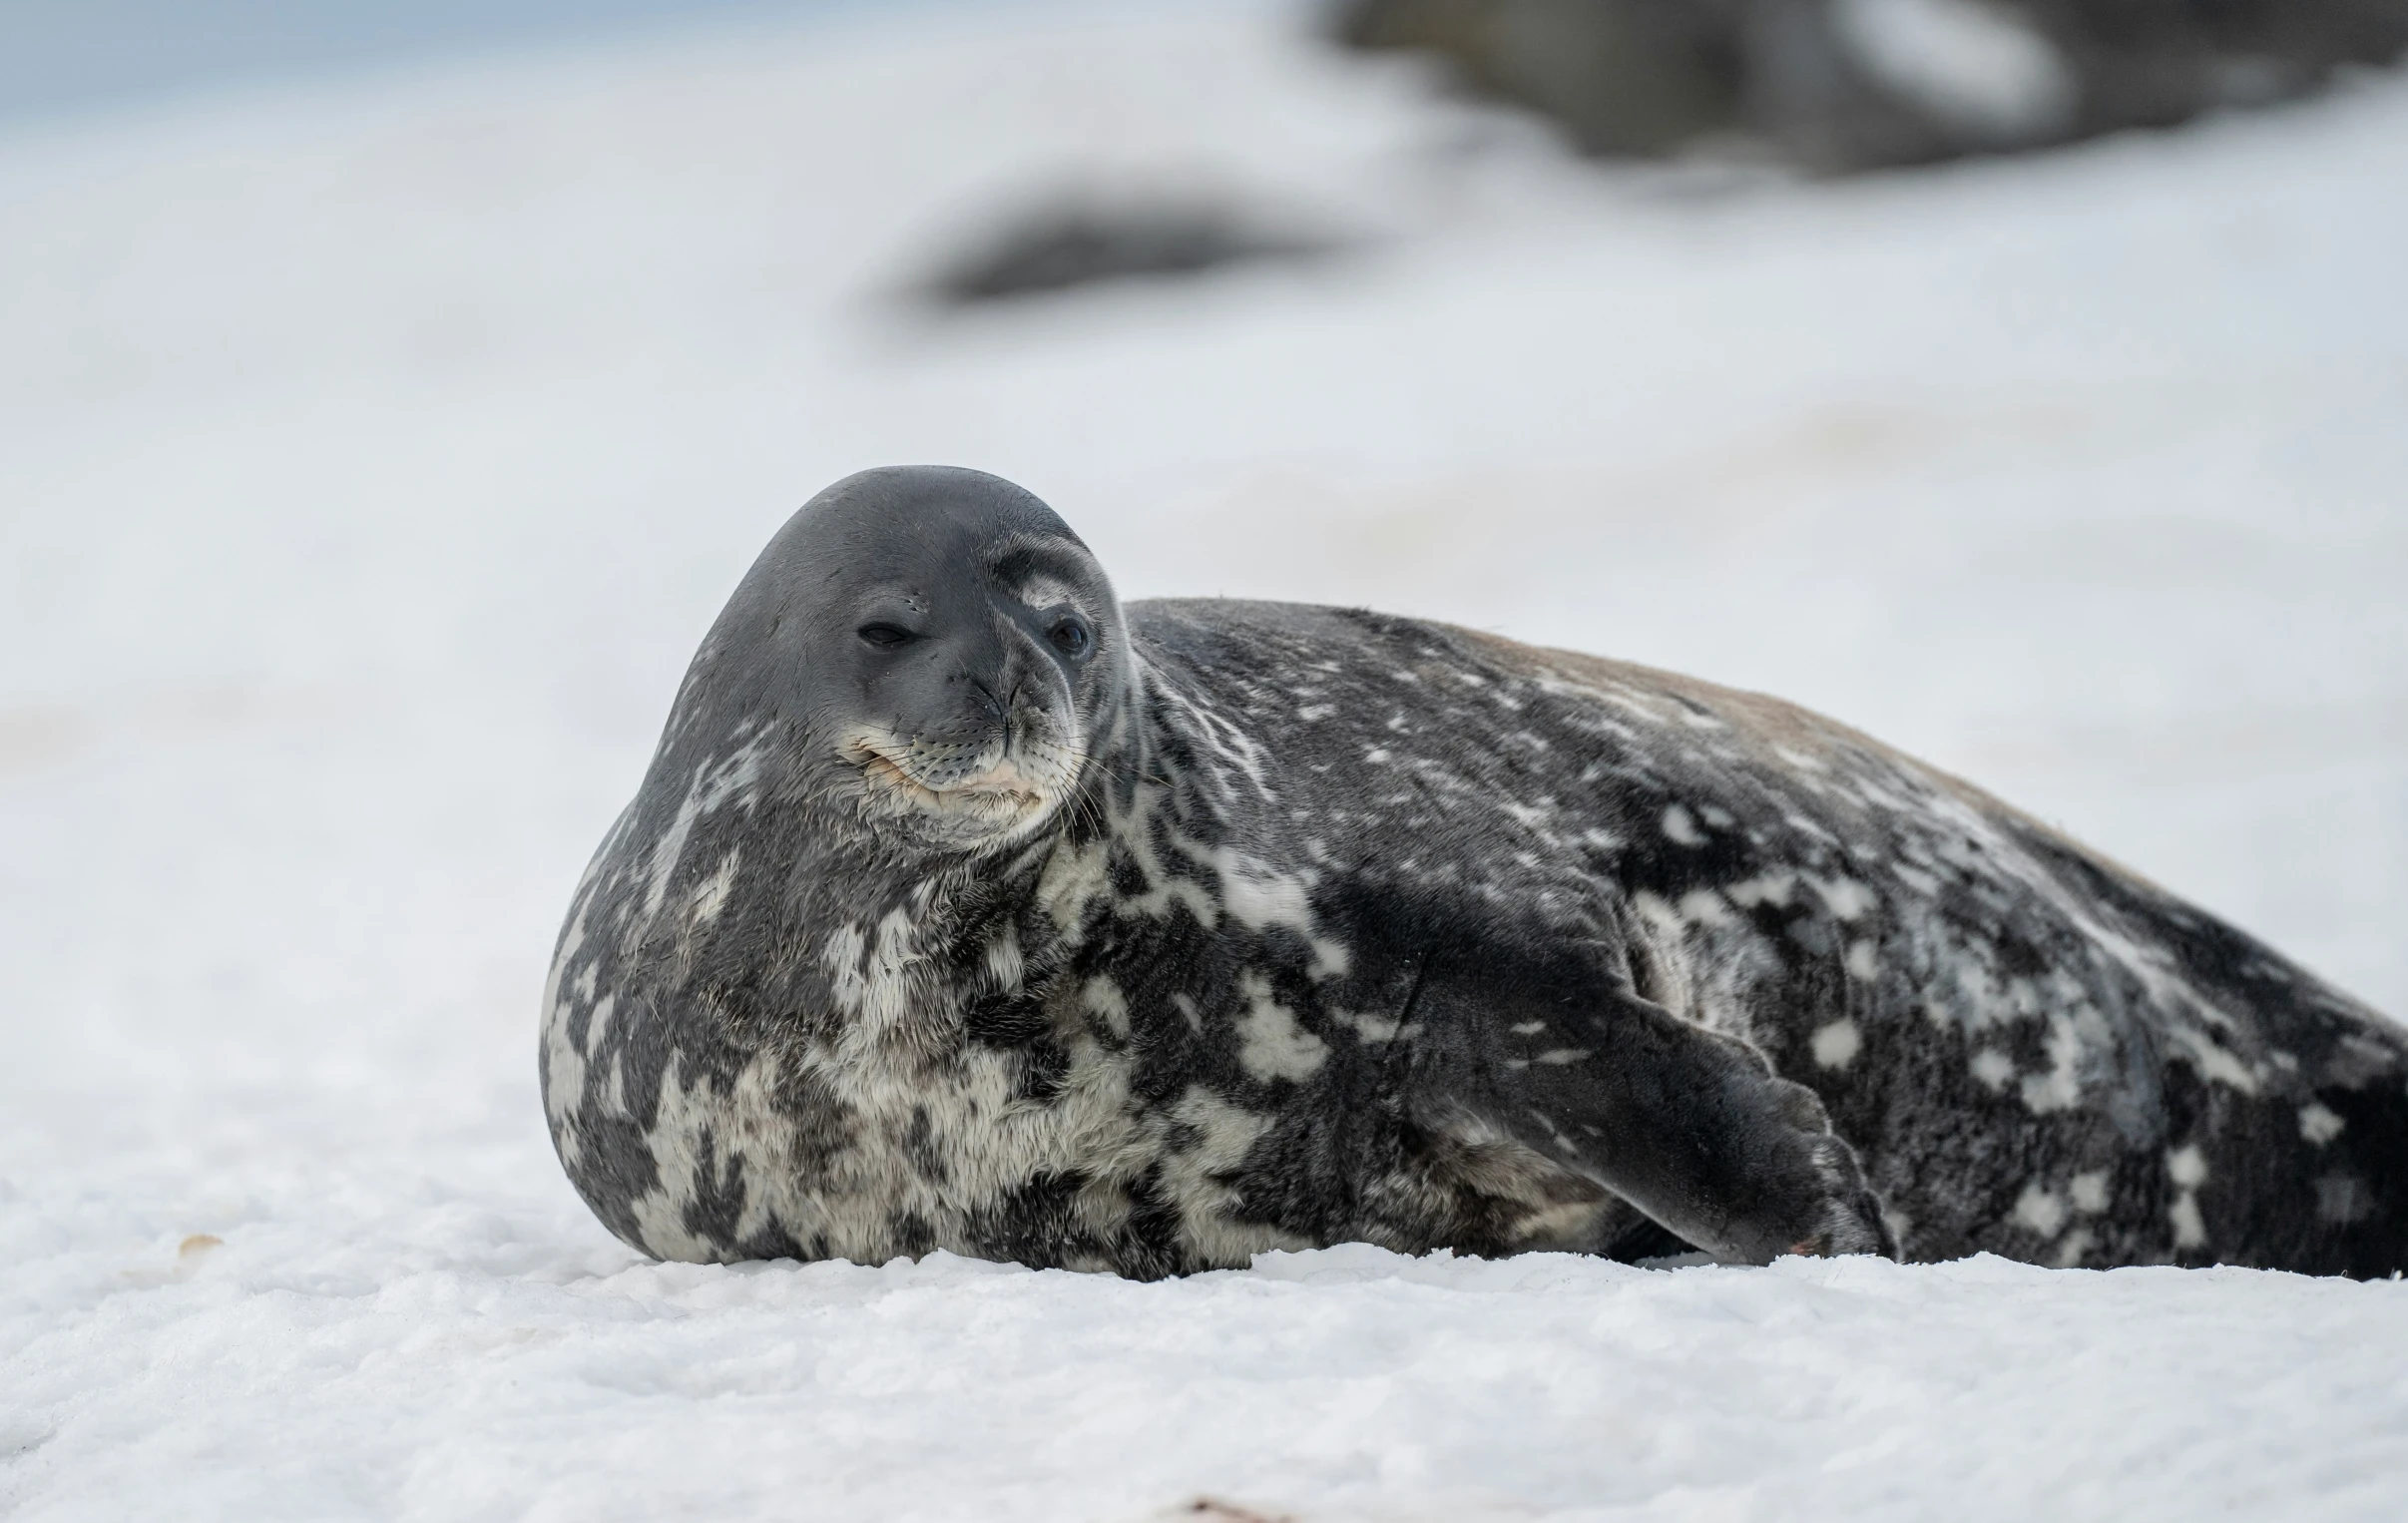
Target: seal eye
{"points": [[1071, 638], [884, 636]]}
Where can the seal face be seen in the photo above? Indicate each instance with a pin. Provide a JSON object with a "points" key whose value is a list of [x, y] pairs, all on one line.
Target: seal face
{"points": [[963, 908]]}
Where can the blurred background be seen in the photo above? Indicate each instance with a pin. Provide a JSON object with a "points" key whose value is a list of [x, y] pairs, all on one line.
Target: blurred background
{"points": [[389, 395]]}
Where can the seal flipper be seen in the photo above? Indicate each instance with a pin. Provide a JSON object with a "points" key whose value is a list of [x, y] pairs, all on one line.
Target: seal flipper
{"points": [[1691, 1126]]}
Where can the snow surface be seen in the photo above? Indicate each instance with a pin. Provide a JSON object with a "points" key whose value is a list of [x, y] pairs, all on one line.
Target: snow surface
{"points": [[372, 457]]}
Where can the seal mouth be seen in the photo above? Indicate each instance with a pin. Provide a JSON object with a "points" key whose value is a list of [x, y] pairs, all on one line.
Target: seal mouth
{"points": [[999, 783], [998, 798]]}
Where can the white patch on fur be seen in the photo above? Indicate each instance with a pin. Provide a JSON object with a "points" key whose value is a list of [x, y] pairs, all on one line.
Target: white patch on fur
{"points": [[564, 1062], [713, 784], [1372, 1029], [1704, 906], [2087, 1192], [2319, 1124], [711, 895], [1197, 1180], [2186, 1167], [2040, 1209], [1773, 887], [1993, 1068], [2069, 1041], [1259, 896], [564, 1089], [1679, 828], [1844, 898], [1105, 1001], [1862, 963], [1005, 965], [599, 1022], [1272, 1045], [1071, 879], [1916, 879], [1066, 889], [680, 1121], [1657, 912], [2211, 1061], [1836, 1045], [878, 975], [1220, 740]]}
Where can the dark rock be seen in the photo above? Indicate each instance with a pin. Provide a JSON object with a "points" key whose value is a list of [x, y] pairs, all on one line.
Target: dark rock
{"points": [[1080, 243], [1837, 85]]}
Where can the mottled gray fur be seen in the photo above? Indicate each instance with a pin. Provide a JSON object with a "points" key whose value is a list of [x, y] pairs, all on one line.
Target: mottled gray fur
{"points": [[962, 908]]}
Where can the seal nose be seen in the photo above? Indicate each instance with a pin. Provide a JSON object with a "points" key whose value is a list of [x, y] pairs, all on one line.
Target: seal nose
{"points": [[990, 707]]}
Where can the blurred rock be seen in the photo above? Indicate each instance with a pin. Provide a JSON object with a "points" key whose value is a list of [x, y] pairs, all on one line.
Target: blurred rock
{"points": [[1076, 242], [1839, 85]]}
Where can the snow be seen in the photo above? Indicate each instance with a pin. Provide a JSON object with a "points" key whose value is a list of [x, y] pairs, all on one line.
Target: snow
{"points": [[508, 1377], [372, 455]]}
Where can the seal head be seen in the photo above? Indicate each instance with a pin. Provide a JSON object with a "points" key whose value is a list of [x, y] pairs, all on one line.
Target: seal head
{"points": [[936, 651]]}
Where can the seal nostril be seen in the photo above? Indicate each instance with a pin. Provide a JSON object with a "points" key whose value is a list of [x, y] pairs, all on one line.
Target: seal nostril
{"points": [[988, 703]]}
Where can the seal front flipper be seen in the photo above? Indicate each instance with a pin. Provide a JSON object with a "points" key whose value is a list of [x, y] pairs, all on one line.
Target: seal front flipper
{"points": [[1691, 1126]]}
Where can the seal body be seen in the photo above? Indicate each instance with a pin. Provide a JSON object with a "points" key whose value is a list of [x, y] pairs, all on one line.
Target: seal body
{"points": [[1143, 940]]}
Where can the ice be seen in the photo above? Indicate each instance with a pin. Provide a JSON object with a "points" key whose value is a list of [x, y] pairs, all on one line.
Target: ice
{"points": [[372, 456]]}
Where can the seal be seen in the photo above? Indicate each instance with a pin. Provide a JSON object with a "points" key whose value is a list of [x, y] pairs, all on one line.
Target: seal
{"points": [[962, 908]]}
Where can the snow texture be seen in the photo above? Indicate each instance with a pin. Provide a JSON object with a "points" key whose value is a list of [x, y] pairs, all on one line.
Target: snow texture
{"points": [[371, 459]]}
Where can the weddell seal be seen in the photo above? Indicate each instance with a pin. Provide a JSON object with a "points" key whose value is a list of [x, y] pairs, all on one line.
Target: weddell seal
{"points": [[963, 908]]}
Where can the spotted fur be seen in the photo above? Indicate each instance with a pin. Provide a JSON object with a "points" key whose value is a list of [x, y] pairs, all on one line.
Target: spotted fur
{"points": [[1305, 925]]}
